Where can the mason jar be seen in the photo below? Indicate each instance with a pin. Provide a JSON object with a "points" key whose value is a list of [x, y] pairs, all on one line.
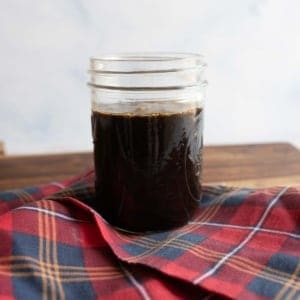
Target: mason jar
{"points": [[147, 119]]}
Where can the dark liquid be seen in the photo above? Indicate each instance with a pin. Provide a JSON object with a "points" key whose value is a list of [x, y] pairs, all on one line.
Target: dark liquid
{"points": [[148, 168]]}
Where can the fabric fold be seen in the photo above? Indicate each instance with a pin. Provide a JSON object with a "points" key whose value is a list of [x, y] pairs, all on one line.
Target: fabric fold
{"points": [[241, 244]]}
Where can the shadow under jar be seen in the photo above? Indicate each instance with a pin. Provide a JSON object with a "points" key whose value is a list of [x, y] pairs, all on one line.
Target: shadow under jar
{"points": [[147, 118]]}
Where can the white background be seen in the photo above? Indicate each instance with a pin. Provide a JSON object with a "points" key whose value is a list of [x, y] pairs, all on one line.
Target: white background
{"points": [[252, 48]]}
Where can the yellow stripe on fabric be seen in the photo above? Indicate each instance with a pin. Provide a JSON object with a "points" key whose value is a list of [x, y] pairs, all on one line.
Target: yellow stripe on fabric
{"points": [[53, 272], [68, 280], [207, 215], [54, 252], [48, 239], [290, 294], [9, 259], [237, 262], [24, 196], [41, 253]]}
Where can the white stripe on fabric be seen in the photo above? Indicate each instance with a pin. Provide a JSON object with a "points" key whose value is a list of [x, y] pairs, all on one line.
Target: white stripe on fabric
{"points": [[52, 213], [244, 242], [58, 184], [140, 288], [294, 235]]}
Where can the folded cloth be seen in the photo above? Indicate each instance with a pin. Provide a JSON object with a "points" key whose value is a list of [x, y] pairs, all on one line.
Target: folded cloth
{"points": [[242, 244]]}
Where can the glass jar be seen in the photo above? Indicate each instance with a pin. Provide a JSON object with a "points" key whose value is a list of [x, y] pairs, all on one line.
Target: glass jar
{"points": [[147, 118]]}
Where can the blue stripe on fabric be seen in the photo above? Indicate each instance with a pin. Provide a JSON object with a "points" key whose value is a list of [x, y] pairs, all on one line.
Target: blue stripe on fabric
{"points": [[169, 252], [159, 236], [237, 198], [8, 196], [192, 238], [31, 287], [73, 256], [134, 249], [26, 245], [25, 287], [32, 190], [263, 287], [14, 194], [207, 200], [283, 262]]}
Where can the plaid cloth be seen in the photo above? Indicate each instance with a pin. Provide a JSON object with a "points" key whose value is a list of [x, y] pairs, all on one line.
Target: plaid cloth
{"points": [[242, 244]]}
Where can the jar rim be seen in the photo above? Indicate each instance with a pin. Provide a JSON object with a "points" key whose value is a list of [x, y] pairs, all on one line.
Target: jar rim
{"points": [[146, 62]]}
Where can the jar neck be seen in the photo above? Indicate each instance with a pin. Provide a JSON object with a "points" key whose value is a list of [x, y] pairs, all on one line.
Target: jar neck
{"points": [[147, 72]]}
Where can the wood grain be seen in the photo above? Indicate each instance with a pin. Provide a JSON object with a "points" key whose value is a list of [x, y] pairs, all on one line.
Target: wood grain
{"points": [[2, 152], [256, 165]]}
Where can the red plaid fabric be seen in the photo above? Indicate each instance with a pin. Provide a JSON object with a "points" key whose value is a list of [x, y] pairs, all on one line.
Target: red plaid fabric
{"points": [[242, 244]]}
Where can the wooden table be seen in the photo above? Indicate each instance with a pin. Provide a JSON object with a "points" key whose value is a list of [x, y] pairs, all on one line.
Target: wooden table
{"points": [[240, 165]]}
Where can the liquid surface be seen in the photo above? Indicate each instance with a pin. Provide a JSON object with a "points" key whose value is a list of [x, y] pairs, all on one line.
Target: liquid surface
{"points": [[148, 168]]}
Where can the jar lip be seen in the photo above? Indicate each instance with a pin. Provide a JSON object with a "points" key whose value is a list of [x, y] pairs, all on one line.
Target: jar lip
{"points": [[146, 62]]}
